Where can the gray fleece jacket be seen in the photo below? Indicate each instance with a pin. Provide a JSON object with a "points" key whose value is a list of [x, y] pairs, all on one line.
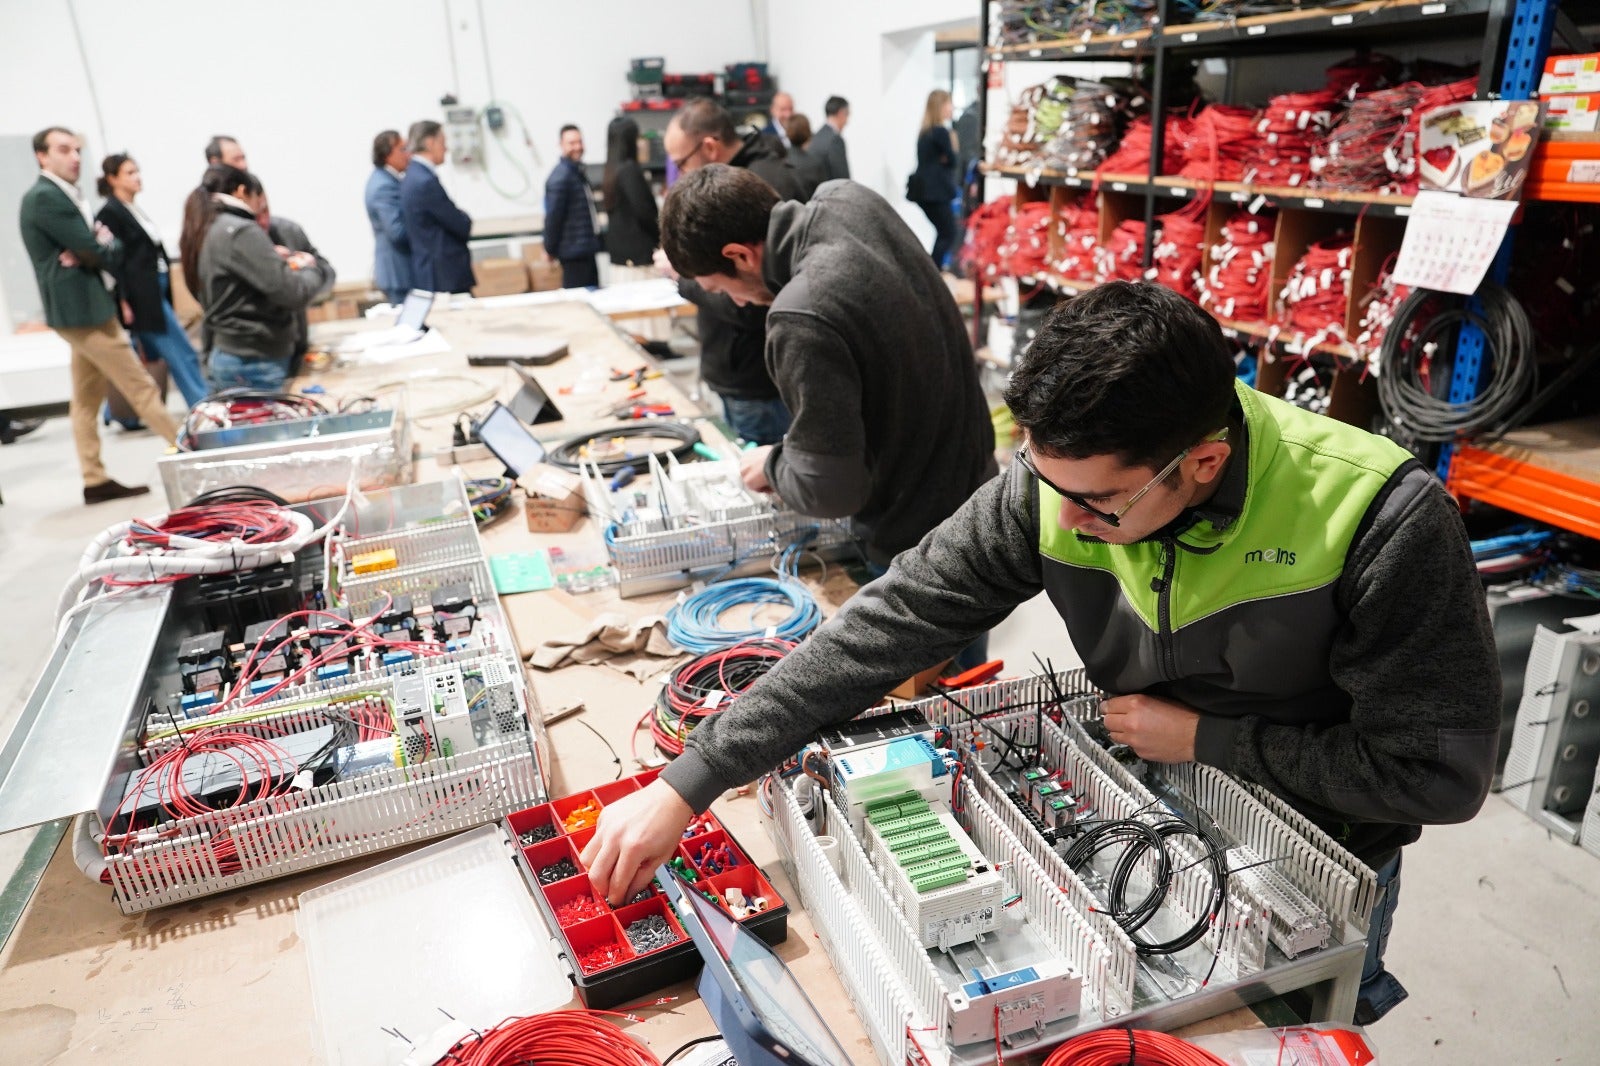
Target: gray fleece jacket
{"points": [[1369, 699], [871, 356], [250, 294]]}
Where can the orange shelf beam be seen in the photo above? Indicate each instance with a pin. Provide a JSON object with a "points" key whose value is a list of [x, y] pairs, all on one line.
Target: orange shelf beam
{"points": [[1527, 488]]}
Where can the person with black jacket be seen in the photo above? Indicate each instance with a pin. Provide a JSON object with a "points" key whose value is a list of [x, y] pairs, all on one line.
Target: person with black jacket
{"points": [[812, 167], [250, 290], [732, 338], [143, 287], [633, 227], [571, 232], [932, 186]]}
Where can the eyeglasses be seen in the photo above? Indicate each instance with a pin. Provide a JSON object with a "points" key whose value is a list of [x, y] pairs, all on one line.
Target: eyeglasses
{"points": [[680, 163], [1114, 518]]}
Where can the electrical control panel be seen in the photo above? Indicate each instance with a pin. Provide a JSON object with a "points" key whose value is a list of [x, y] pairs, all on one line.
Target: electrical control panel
{"points": [[463, 136]]}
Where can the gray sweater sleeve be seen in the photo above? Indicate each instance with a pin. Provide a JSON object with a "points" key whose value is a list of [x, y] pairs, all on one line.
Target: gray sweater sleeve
{"points": [[251, 257], [820, 468], [1417, 658], [962, 580]]}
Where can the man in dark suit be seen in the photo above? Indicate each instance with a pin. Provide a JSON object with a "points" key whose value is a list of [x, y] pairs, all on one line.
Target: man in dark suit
{"points": [[782, 112], [828, 142], [391, 271], [435, 226], [67, 256], [571, 234]]}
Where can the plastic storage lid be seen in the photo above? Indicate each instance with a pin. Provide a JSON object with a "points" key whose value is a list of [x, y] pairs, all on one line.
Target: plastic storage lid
{"points": [[423, 948]]}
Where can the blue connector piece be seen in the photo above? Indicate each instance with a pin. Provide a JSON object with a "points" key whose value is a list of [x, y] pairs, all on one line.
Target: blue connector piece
{"points": [[332, 670], [999, 983], [394, 658], [262, 684], [195, 703]]}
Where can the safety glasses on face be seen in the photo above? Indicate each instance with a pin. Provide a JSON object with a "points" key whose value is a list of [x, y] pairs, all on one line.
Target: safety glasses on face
{"points": [[681, 163], [1113, 518]]}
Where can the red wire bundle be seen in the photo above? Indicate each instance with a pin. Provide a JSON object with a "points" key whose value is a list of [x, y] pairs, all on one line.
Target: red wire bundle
{"points": [[1292, 128], [986, 229], [559, 1038], [1362, 74], [1132, 158], [1119, 259], [1237, 282], [1078, 231], [251, 523], [1118, 1047], [1369, 148], [1177, 254], [708, 685], [1026, 248], [1219, 143], [1378, 315], [1317, 294]]}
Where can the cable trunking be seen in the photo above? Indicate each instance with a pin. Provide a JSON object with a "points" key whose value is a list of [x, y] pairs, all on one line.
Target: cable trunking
{"points": [[957, 924]]}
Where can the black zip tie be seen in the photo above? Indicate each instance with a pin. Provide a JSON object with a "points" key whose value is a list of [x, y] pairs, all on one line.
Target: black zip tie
{"points": [[1133, 1048]]}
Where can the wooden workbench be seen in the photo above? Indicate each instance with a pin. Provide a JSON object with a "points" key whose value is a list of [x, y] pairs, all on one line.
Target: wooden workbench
{"points": [[225, 976]]}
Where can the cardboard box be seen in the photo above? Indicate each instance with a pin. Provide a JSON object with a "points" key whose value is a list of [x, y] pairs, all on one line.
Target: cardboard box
{"points": [[921, 685], [555, 500], [1576, 112], [500, 277], [544, 276], [1571, 74], [533, 252]]}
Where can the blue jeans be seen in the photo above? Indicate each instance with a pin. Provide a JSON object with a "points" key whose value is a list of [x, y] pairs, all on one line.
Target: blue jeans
{"points": [[974, 654], [757, 421], [229, 371], [172, 346], [1380, 992]]}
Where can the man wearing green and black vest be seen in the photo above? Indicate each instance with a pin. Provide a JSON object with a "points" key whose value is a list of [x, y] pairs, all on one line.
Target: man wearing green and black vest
{"points": [[1258, 588]]}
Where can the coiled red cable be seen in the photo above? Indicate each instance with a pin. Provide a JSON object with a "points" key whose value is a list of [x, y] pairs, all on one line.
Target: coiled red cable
{"points": [[1378, 312], [559, 1038], [1077, 237], [1362, 73], [1292, 129], [1219, 143], [1118, 1047], [1177, 253], [1236, 283], [1132, 157], [986, 230], [1025, 249], [1120, 258], [1316, 296]]}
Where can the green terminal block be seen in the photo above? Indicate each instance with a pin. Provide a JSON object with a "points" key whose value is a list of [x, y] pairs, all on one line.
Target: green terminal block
{"points": [[931, 875], [901, 841], [896, 826], [895, 806], [925, 852]]}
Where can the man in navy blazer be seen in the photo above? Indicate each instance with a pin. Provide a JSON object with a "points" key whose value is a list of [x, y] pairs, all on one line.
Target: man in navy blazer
{"points": [[435, 226], [391, 271]]}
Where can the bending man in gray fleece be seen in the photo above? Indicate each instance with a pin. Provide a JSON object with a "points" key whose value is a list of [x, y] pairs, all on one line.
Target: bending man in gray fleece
{"points": [[864, 342], [1256, 587]]}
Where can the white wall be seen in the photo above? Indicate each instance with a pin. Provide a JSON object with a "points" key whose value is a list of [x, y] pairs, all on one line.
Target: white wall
{"points": [[880, 57], [306, 84]]}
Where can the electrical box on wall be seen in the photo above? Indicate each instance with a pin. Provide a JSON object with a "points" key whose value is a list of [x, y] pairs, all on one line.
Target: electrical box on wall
{"points": [[464, 136]]}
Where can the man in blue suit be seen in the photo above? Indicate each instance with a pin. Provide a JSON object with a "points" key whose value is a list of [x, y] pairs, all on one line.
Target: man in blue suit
{"points": [[571, 234], [391, 271], [435, 226]]}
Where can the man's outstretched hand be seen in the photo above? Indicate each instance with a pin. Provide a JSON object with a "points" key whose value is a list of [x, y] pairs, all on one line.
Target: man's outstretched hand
{"points": [[634, 836]]}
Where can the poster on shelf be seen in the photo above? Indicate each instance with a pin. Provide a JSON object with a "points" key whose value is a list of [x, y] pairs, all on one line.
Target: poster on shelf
{"points": [[1451, 240], [1479, 148]]}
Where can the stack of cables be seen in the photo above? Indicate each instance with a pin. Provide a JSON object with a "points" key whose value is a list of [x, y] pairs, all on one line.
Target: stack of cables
{"points": [[1120, 1047], [1362, 73], [986, 232], [1292, 130], [1036, 21], [1025, 250], [1316, 297], [1373, 147], [1237, 283], [244, 407], [1078, 234], [1407, 388], [1132, 157], [1377, 313], [1121, 257], [1219, 144], [1092, 127], [1175, 260], [695, 624], [1035, 118], [559, 1038], [490, 497], [708, 685], [1310, 386]]}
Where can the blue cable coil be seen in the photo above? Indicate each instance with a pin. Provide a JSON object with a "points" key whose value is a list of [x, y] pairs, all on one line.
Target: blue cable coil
{"points": [[695, 625]]}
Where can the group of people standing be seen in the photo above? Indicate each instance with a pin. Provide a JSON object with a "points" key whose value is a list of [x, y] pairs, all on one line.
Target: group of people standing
{"points": [[105, 280]]}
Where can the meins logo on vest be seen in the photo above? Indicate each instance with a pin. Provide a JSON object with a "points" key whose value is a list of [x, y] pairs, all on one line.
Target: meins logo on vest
{"points": [[1281, 556]]}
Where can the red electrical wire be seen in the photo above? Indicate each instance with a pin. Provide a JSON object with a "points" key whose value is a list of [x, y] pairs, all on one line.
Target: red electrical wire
{"points": [[1132, 157], [986, 231], [559, 1038], [1118, 1047], [1292, 129], [1219, 143], [1362, 74], [1119, 259], [1177, 253], [1077, 236], [708, 685], [1236, 284], [1378, 311], [1316, 296], [1025, 249]]}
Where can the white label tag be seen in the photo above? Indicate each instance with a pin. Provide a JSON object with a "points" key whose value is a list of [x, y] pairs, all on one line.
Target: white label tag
{"points": [[1342, 20], [714, 699], [1119, 186], [1079, 49], [1035, 53], [1257, 204], [1189, 38], [1312, 201], [1402, 212], [682, 598], [1584, 171], [772, 632], [302, 780], [1256, 31], [1434, 9], [1130, 44]]}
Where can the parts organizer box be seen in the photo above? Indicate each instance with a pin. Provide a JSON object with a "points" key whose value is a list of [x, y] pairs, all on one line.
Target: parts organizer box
{"points": [[618, 955]]}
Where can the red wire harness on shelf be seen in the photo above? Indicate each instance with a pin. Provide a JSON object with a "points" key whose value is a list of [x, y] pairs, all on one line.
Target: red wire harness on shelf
{"points": [[1362, 73], [1118, 1047], [1378, 311], [1132, 157], [1078, 234], [1025, 249], [1316, 296], [1219, 144], [1236, 283], [1292, 129], [1175, 259], [1119, 259], [559, 1038], [986, 231], [1374, 147]]}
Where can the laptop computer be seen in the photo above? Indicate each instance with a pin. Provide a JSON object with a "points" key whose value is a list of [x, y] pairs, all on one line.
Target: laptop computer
{"points": [[531, 403], [409, 325], [535, 351], [505, 435]]}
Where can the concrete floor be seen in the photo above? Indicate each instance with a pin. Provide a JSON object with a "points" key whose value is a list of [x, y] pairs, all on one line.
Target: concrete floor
{"points": [[1498, 933]]}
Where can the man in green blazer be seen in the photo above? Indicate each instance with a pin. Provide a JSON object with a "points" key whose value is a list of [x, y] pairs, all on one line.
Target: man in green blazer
{"points": [[68, 253]]}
